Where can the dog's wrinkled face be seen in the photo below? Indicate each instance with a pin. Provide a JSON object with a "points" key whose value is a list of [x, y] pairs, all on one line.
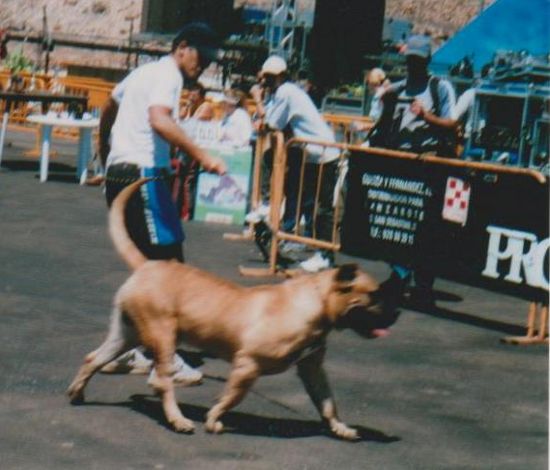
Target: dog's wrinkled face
{"points": [[361, 307]]}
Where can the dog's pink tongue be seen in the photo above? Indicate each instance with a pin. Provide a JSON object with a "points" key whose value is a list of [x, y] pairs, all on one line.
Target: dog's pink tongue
{"points": [[380, 332]]}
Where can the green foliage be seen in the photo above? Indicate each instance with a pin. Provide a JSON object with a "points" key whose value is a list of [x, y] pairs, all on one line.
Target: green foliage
{"points": [[351, 90], [18, 62]]}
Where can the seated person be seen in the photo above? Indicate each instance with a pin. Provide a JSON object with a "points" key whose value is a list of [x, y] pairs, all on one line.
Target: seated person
{"points": [[236, 126], [196, 106], [195, 109]]}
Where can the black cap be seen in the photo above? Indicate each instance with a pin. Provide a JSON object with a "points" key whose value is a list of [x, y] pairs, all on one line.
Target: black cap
{"points": [[200, 36]]}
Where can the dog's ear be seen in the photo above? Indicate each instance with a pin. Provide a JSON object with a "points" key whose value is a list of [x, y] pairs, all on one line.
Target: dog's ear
{"points": [[344, 277], [346, 273]]}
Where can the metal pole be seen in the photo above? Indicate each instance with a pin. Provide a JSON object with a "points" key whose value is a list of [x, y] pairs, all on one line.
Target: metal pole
{"points": [[130, 34], [45, 37]]}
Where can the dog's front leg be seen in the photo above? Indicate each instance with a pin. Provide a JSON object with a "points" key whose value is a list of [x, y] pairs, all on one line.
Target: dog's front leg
{"points": [[244, 373], [314, 378], [163, 345]]}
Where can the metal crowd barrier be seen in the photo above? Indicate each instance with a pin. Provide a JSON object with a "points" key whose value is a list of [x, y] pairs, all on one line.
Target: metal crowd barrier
{"points": [[274, 141], [345, 127], [280, 148], [537, 321]]}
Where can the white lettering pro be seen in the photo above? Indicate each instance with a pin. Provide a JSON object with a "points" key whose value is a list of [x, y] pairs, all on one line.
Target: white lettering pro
{"points": [[532, 259]]}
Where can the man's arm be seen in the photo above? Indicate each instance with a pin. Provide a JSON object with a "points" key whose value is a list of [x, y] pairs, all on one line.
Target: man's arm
{"points": [[445, 123], [447, 119], [106, 121], [257, 93], [160, 118]]}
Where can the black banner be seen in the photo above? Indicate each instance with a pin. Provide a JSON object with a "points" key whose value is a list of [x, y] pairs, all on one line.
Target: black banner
{"points": [[484, 228]]}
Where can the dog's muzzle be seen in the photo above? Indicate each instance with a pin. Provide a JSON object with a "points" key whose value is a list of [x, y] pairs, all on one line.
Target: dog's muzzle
{"points": [[372, 321]]}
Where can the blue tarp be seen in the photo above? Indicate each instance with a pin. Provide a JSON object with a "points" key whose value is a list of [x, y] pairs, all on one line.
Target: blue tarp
{"points": [[511, 25]]}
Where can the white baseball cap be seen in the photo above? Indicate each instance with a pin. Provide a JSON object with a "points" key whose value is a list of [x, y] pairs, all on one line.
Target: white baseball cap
{"points": [[274, 65]]}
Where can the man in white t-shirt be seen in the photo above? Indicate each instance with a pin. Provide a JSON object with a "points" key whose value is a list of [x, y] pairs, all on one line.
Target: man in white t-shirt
{"points": [[291, 110], [140, 118]]}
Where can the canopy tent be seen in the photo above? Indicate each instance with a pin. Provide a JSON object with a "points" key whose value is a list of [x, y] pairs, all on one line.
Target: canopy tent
{"points": [[509, 25]]}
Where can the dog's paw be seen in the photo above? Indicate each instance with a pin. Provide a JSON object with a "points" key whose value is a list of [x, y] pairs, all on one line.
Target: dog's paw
{"points": [[183, 425], [76, 396], [344, 432], [215, 427]]}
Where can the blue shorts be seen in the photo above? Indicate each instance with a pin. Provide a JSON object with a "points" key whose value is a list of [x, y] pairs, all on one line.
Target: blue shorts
{"points": [[152, 218], [161, 214]]}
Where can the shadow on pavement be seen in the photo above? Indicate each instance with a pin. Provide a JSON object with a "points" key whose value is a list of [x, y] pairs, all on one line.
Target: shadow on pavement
{"points": [[468, 319], [34, 165], [59, 172], [447, 296], [243, 423]]}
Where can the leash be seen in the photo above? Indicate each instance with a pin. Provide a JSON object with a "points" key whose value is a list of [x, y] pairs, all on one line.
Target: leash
{"points": [[308, 351]]}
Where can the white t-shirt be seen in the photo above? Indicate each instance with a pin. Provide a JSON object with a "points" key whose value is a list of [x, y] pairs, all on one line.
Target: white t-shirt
{"points": [[464, 110], [415, 133], [292, 106], [236, 128], [411, 121], [376, 106], [133, 140]]}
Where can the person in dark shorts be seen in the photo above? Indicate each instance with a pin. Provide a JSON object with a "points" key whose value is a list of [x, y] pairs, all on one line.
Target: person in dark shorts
{"points": [[137, 127]]}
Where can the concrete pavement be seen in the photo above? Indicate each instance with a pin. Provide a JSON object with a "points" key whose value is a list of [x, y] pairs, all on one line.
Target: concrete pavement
{"points": [[441, 392]]}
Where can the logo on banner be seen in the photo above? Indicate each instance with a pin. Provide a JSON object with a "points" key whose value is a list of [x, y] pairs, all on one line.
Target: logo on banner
{"points": [[457, 200], [519, 250]]}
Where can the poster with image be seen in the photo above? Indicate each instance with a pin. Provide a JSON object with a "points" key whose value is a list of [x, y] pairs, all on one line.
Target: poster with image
{"points": [[223, 199]]}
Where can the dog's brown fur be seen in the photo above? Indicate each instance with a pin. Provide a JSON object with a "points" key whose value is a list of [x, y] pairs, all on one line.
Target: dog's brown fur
{"points": [[259, 330]]}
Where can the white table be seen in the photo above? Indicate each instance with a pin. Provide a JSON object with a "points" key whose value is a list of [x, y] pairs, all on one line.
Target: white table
{"points": [[85, 126], [45, 98]]}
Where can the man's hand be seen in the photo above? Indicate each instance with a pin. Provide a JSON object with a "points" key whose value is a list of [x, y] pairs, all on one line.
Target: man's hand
{"points": [[215, 165], [418, 108], [258, 125]]}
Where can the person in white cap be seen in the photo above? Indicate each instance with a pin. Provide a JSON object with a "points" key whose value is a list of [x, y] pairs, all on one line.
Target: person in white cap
{"points": [[291, 109]]}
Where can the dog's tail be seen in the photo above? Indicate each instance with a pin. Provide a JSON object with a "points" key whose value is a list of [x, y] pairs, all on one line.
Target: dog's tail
{"points": [[124, 245]]}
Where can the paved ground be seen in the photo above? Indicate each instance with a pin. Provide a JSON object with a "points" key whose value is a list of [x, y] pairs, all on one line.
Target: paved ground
{"points": [[440, 392]]}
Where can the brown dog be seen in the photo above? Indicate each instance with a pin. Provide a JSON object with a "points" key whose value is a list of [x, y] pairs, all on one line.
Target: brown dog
{"points": [[259, 330]]}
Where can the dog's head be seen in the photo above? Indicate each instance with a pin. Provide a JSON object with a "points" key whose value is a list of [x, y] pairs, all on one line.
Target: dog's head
{"points": [[356, 302]]}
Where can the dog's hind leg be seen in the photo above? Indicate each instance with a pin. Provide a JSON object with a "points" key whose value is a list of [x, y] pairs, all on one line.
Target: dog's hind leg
{"points": [[161, 340], [243, 375], [121, 338], [314, 378]]}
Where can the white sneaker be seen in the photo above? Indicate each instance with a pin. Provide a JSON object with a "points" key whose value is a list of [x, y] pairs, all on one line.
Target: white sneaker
{"points": [[258, 214], [316, 263], [185, 374], [131, 362], [286, 247]]}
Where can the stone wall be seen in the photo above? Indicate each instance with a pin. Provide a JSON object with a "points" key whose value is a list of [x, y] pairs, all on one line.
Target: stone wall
{"points": [[102, 20], [442, 18], [109, 21]]}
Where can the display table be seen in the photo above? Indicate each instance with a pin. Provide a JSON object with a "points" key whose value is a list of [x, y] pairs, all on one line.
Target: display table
{"points": [[45, 98], [85, 126]]}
